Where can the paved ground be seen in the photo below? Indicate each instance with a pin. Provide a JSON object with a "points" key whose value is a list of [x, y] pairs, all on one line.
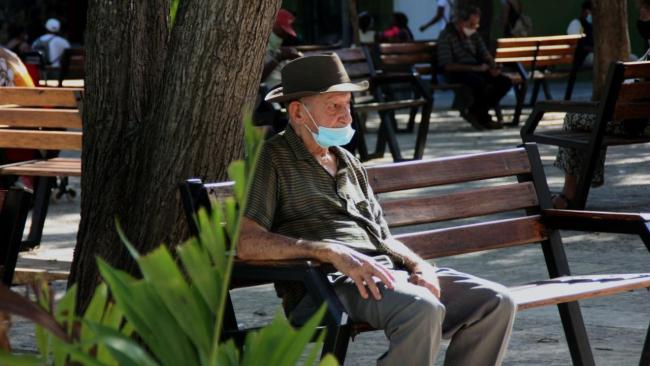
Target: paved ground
{"points": [[617, 325]]}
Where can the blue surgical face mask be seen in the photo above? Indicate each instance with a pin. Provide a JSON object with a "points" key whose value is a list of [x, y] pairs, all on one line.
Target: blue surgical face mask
{"points": [[327, 137], [589, 18]]}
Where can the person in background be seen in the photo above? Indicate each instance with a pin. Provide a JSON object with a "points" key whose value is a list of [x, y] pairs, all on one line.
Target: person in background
{"points": [[366, 23], [277, 56], [464, 59], [583, 25], [51, 44], [442, 16], [399, 30], [18, 40], [569, 160]]}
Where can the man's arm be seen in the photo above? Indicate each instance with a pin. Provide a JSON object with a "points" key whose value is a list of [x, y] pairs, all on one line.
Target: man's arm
{"points": [[439, 14], [257, 243], [422, 272]]}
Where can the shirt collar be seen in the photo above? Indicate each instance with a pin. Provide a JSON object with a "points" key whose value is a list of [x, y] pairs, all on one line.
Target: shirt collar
{"points": [[300, 150]]}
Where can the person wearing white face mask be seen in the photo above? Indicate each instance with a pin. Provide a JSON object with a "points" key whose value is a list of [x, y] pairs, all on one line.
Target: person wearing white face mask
{"points": [[464, 59], [583, 25], [310, 198]]}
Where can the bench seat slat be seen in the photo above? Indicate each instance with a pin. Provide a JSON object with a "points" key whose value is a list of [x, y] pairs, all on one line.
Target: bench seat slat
{"points": [[39, 96], [44, 168], [475, 237], [533, 41], [48, 140], [40, 117], [573, 288], [409, 175], [470, 203]]}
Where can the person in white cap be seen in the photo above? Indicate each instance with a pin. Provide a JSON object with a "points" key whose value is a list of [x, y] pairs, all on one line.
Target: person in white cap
{"points": [[51, 45]]}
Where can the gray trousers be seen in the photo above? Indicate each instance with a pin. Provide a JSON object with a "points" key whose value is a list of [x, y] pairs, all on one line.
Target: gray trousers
{"points": [[476, 314]]}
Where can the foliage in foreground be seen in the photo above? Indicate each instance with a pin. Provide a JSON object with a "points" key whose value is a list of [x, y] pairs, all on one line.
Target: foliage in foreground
{"points": [[173, 315]]}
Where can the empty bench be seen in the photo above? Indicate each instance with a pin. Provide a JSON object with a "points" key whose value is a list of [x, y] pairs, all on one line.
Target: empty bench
{"points": [[521, 193], [44, 119]]}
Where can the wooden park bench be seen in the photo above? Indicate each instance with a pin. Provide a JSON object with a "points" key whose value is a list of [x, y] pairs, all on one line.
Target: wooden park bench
{"points": [[72, 64], [521, 193], [380, 99], [536, 60], [45, 119], [622, 99]]}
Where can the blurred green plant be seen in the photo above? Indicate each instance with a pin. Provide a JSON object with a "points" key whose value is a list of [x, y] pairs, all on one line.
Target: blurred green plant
{"points": [[171, 316]]}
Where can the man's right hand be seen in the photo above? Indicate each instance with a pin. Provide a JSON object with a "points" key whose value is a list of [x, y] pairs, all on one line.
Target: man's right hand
{"points": [[361, 269]]}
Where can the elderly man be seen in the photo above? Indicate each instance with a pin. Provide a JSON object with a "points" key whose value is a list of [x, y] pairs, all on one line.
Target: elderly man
{"points": [[311, 199], [463, 57]]}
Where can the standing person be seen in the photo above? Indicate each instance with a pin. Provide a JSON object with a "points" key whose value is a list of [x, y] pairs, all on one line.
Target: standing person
{"points": [[51, 44], [464, 58], [515, 23], [309, 198], [442, 16], [643, 23], [366, 32], [583, 25]]}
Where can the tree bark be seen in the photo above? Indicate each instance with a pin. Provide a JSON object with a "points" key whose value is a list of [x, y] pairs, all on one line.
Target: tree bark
{"points": [[611, 39], [160, 106]]}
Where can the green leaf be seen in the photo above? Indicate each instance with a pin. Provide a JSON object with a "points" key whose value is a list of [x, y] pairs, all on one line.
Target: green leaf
{"points": [[237, 173], [212, 236], [228, 354], [125, 350], [232, 217], [20, 360], [127, 243], [148, 314], [203, 276], [191, 315], [173, 10], [329, 360]]}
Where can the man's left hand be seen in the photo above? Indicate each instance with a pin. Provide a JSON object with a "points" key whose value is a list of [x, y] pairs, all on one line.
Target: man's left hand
{"points": [[424, 275]]}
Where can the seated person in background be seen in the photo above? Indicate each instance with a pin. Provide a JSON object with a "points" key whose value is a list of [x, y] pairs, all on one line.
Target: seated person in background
{"points": [[570, 160], [276, 57], [309, 198], [17, 40], [464, 59], [398, 31], [51, 44], [366, 23], [583, 25]]}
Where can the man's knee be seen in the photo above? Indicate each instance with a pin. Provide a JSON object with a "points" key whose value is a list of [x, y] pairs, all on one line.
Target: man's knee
{"points": [[429, 311], [506, 305]]}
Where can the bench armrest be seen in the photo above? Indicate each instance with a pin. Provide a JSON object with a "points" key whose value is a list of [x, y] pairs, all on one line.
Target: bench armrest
{"points": [[566, 106], [599, 221]]}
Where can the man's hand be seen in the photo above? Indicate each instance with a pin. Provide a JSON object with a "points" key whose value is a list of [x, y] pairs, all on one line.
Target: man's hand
{"points": [[361, 269], [424, 275], [481, 68], [495, 71]]}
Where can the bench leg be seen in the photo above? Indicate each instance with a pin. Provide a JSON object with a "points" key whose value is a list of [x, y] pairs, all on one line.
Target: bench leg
{"points": [[423, 131], [645, 353], [41, 203], [336, 342], [576, 334]]}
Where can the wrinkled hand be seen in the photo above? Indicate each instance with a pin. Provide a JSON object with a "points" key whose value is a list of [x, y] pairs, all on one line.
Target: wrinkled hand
{"points": [[425, 275], [361, 269], [495, 71]]}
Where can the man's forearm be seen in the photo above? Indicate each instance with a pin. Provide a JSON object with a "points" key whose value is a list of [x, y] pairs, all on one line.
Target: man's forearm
{"points": [[256, 243], [410, 259]]}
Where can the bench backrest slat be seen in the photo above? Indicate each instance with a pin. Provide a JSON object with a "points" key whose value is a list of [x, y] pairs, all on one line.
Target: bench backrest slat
{"points": [[354, 59], [48, 140], [475, 237], [633, 97], [533, 41], [38, 117], [468, 203], [409, 175], [540, 51], [406, 55], [32, 97]]}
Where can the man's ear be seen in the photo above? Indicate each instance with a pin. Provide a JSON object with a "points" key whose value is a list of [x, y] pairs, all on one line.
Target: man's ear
{"points": [[294, 109]]}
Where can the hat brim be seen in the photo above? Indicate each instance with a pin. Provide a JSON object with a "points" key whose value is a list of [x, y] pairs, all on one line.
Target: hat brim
{"points": [[276, 95]]}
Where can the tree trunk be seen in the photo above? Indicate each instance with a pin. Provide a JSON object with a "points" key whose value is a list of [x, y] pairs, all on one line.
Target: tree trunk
{"points": [[611, 38], [160, 106]]}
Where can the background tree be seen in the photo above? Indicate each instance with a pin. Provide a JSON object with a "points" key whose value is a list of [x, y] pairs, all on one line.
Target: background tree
{"points": [[162, 103], [611, 38]]}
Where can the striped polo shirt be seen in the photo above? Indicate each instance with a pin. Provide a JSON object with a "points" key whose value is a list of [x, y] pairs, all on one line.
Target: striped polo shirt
{"points": [[454, 48], [292, 195]]}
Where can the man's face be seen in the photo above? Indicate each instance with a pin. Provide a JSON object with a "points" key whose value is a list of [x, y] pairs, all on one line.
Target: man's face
{"points": [[328, 110], [472, 23]]}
